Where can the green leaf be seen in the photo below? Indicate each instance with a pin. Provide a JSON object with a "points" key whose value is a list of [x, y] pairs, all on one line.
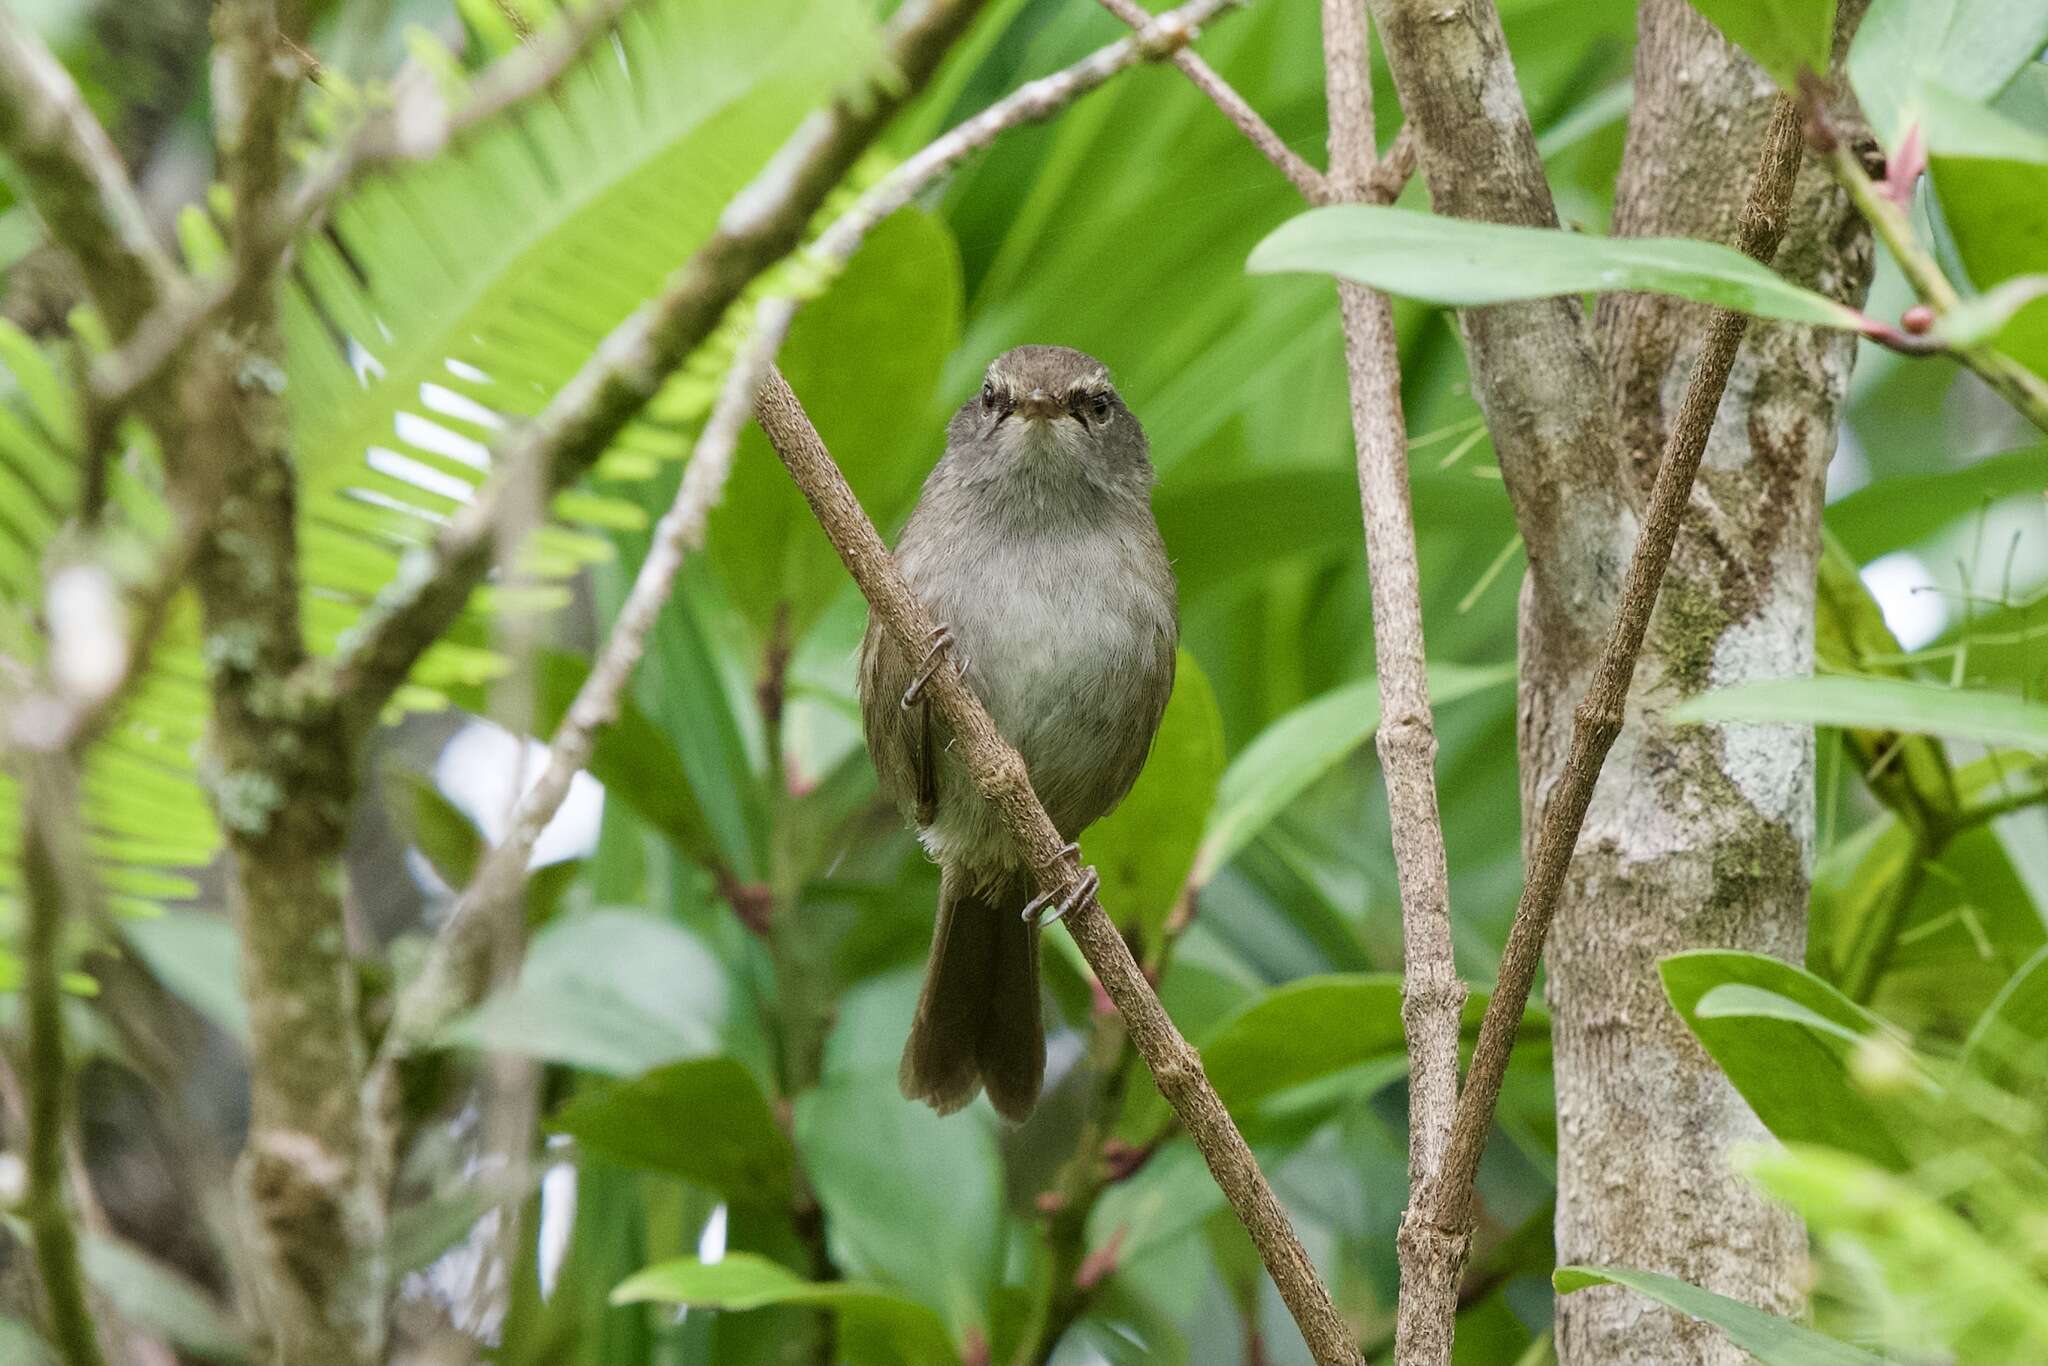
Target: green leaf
{"points": [[160, 1301], [742, 1281], [1788, 1042], [612, 991], [904, 285], [1145, 847], [1165, 1201], [144, 811], [197, 956], [1770, 1339], [1463, 264], [1992, 177], [1987, 319], [1977, 1298], [911, 1198], [1973, 47], [1305, 1031], [1877, 704], [1316, 1027], [1222, 529], [704, 1120], [441, 831], [1300, 747], [1786, 37], [1903, 509], [2009, 1043]]}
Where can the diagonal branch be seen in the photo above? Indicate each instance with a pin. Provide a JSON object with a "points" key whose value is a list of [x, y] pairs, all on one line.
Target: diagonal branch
{"points": [[1237, 109], [455, 975], [999, 776], [1446, 1203], [70, 172], [1383, 180], [457, 971]]}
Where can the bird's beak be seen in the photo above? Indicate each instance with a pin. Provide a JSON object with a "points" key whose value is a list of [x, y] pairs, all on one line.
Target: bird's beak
{"points": [[1039, 403]]}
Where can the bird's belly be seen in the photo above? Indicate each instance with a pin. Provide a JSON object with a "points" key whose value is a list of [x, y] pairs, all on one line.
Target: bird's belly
{"points": [[1068, 651]]}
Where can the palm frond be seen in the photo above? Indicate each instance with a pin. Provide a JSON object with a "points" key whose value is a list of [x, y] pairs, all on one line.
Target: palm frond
{"points": [[447, 300]]}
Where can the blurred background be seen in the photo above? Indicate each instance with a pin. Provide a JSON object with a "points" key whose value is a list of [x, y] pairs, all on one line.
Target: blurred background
{"points": [[724, 911]]}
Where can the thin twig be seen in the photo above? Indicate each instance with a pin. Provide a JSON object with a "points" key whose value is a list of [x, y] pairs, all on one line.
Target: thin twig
{"points": [[1000, 778], [397, 135], [761, 225], [1447, 1204], [51, 874], [1236, 108], [1394, 171], [1432, 996], [1384, 179]]}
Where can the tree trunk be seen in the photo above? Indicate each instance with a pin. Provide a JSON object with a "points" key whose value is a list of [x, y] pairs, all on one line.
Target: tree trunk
{"points": [[1699, 836]]}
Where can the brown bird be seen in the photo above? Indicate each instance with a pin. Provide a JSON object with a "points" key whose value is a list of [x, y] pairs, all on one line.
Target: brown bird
{"points": [[1034, 544]]}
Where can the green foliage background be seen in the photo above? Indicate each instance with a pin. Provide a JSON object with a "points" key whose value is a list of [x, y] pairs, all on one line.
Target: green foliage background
{"points": [[710, 1089]]}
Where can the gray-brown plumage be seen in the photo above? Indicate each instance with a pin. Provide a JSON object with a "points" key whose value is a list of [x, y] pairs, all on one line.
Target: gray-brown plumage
{"points": [[1033, 542]]}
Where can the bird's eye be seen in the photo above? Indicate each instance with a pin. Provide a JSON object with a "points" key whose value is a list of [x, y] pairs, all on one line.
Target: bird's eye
{"points": [[988, 395], [1099, 405]]}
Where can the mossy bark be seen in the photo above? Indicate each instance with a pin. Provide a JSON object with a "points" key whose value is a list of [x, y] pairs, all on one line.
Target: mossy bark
{"points": [[1697, 836]]}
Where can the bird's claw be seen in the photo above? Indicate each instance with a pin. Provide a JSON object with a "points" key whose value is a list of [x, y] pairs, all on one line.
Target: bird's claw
{"points": [[941, 641], [1049, 908]]}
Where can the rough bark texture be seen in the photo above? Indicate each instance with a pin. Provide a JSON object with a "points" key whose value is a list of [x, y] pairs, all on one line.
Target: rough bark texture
{"points": [[1696, 837], [1451, 65]]}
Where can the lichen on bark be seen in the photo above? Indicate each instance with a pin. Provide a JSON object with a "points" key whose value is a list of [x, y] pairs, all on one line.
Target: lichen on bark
{"points": [[1697, 836]]}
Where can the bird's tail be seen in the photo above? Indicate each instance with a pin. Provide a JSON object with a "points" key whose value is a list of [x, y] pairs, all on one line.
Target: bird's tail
{"points": [[978, 1018]]}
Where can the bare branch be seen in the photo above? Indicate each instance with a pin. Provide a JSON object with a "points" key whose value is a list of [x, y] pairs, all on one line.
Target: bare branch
{"points": [[1236, 108], [73, 176], [415, 129], [1433, 997], [52, 873], [1447, 1203], [999, 776], [758, 229], [1533, 367]]}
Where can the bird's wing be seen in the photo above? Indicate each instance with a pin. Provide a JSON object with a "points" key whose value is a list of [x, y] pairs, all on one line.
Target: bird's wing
{"points": [[899, 739]]}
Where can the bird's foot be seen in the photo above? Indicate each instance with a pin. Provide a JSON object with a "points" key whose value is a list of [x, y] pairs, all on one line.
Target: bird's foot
{"points": [[941, 641], [1048, 908]]}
